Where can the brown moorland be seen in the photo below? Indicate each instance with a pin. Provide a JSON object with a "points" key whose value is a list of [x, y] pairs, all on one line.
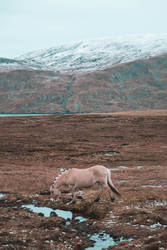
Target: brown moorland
{"points": [[35, 149]]}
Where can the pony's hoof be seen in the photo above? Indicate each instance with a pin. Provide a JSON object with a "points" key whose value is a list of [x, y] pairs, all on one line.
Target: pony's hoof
{"points": [[79, 197], [112, 199], [71, 202]]}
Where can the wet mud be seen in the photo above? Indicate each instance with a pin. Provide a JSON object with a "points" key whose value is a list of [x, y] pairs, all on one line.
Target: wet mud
{"points": [[34, 150]]}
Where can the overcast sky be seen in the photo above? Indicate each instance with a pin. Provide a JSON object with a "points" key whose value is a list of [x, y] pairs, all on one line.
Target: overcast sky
{"points": [[28, 25]]}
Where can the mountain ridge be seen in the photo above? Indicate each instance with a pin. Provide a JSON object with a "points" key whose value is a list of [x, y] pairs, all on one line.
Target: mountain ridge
{"points": [[92, 55]]}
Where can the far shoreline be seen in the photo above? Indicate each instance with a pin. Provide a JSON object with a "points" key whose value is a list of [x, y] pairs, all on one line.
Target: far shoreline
{"points": [[149, 112]]}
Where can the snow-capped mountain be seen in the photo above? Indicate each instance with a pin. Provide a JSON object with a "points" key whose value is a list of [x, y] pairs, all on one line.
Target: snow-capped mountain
{"points": [[96, 54], [6, 63], [90, 55]]}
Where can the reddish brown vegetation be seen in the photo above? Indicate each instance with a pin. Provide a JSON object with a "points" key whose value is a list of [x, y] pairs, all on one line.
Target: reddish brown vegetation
{"points": [[32, 151]]}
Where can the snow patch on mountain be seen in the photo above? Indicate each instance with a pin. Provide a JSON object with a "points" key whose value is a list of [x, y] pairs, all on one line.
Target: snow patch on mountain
{"points": [[14, 64], [96, 54]]}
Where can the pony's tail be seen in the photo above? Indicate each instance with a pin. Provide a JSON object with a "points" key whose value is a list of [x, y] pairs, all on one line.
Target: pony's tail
{"points": [[110, 183]]}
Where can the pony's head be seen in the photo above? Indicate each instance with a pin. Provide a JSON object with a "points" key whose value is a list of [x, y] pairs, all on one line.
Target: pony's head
{"points": [[54, 191]]}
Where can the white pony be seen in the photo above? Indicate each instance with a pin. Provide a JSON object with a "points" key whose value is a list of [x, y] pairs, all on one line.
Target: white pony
{"points": [[76, 179]]}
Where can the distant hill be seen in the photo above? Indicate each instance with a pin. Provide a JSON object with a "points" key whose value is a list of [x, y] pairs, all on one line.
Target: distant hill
{"points": [[91, 55], [135, 85]]}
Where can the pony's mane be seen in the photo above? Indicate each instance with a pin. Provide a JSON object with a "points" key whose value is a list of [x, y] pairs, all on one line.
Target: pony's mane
{"points": [[62, 171]]}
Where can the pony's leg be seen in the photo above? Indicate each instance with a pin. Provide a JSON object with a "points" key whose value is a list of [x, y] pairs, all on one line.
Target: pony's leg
{"points": [[100, 192], [73, 188], [73, 197], [110, 193]]}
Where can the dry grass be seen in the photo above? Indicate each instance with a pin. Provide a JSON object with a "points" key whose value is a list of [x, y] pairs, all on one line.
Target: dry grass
{"points": [[26, 179], [160, 112], [32, 149]]}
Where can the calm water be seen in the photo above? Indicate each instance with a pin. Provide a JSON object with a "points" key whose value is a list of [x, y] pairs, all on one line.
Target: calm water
{"points": [[104, 240], [47, 211], [2, 195], [6, 115]]}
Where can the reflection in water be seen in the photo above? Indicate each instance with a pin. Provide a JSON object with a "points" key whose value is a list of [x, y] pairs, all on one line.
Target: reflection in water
{"points": [[47, 212], [104, 240], [2, 195]]}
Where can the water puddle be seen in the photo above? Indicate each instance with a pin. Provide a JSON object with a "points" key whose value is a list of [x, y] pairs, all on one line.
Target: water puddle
{"points": [[62, 170], [104, 240], [2, 195], [154, 226], [111, 153], [118, 168], [123, 181], [47, 212], [122, 167], [152, 186], [114, 169], [125, 167], [163, 146], [80, 218], [158, 203], [138, 167]]}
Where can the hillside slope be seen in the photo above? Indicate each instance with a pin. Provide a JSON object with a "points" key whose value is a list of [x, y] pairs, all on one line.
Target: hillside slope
{"points": [[137, 85]]}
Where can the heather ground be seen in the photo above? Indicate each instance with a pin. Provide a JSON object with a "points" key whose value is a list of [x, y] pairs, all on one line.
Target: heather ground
{"points": [[33, 151]]}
